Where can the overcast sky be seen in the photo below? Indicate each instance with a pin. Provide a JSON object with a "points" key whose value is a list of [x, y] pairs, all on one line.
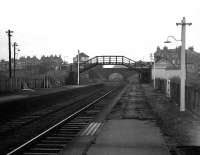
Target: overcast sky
{"points": [[97, 27]]}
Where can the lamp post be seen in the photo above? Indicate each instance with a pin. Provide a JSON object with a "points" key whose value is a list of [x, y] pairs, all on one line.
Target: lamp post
{"points": [[154, 76], [16, 58], [78, 63], [14, 46], [154, 70], [183, 69]]}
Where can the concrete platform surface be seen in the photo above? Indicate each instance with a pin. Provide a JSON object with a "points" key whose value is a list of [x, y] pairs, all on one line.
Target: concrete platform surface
{"points": [[129, 137]]}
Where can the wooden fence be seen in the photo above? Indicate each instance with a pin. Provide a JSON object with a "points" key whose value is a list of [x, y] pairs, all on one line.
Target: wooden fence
{"points": [[13, 84], [192, 94]]}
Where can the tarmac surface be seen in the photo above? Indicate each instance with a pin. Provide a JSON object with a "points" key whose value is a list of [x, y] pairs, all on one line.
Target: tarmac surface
{"points": [[128, 137]]}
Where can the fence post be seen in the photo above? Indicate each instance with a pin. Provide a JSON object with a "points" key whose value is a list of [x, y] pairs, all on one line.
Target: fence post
{"points": [[196, 99], [44, 81], [168, 88]]}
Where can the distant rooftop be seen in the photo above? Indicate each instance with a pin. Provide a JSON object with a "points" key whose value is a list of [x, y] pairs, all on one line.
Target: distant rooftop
{"points": [[82, 55]]}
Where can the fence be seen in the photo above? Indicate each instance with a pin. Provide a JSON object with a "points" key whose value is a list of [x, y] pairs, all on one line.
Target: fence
{"points": [[192, 94], [12, 84]]}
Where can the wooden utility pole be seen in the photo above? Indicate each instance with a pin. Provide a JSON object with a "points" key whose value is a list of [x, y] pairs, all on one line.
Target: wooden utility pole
{"points": [[9, 49], [183, 68]]}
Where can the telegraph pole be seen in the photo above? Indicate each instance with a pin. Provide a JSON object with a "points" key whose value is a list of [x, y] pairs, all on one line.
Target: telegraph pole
{"points": [[78, 80], [9, 49], [183, 69], [14, 46]]}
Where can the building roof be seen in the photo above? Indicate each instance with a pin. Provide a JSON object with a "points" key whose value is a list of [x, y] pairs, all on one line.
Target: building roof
{"points": [[170, 54], [83, 54]]}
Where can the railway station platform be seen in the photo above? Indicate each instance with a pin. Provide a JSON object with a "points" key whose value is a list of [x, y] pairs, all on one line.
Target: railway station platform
{"points": [[129, 129], [26, 93], [128, 137], [134, 132]]}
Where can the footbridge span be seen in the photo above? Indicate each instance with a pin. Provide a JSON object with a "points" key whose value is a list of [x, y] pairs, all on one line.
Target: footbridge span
{"points": [[88, 67], [139, 66]]}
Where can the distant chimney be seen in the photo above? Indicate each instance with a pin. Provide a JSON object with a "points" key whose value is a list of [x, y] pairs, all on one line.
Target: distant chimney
{"points": [[158, 49], [191, 48], [165, 48]]}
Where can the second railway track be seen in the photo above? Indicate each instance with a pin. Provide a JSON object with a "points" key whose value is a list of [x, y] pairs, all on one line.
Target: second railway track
{"points": [[27, 119]]}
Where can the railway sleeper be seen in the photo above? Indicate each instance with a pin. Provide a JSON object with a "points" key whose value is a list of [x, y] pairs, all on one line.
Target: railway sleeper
{"points": [[45, 150], [64, 134], [56, 141], [36, 153], [47, 145], [58, 138]]}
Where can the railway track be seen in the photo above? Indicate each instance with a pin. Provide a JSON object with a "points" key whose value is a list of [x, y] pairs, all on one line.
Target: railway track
{"points": [[13, 109], [17, 123], [60, 135]]}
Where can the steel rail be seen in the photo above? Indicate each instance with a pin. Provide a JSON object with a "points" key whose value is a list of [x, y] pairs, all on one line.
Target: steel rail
{"points": [[56, 125]]}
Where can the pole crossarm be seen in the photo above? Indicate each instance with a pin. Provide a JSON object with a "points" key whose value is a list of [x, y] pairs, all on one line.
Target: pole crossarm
{"points": [[183, 23], [9, 32]]}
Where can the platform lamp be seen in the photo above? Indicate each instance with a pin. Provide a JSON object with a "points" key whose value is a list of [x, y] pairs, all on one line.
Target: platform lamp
{"points": [[78, 70], [14, 46], [168, 41], [16, 55], [182, 88], [153, 63]]}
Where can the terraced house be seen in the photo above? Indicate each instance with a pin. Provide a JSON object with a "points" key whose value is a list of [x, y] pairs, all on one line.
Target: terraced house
{"points": [[170, 58]]}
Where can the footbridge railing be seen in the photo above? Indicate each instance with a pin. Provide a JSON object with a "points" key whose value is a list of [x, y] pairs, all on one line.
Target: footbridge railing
{"points": [[114, 60]]}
